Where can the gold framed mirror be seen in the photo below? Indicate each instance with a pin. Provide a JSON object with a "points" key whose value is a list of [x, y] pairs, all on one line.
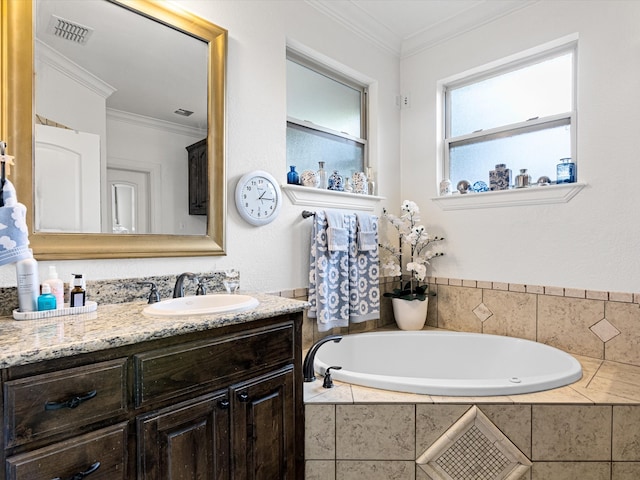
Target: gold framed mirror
{"points": [[17, 128]]}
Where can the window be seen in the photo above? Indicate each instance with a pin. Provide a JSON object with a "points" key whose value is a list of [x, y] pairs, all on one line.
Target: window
{"points": [[326, 118], [521, 115]]}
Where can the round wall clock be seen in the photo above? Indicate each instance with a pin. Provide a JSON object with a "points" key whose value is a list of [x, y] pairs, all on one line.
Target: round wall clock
{"points": [[258, 197]]}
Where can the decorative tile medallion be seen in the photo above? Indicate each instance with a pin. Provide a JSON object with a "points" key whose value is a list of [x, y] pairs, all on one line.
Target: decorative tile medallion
{"points": [[473, 448], [604, 330], [482, 312]]}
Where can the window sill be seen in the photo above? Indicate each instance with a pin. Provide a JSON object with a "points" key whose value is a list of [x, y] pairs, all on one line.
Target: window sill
{"points": [[510, 198], [315, 197]]}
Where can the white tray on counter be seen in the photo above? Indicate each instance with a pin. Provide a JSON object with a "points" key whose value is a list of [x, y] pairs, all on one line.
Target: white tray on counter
{"points": [[88, 307]]}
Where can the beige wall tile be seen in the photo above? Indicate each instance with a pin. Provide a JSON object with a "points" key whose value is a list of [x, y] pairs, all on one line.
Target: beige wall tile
{"points": [[469, 283], [517, 287], [375, 432], [432, 311], [455, 308], [432, 421], [320, 432], [571, 433], [626, 433], [626, 318], [597, 295], [500, 286], [535, 289], [483, 284], [625, 471], [556, 291], [571, 471], [514, 421], [514, 314], [564, 323], [375, 470], [575, 293], [320, 470], [621, 297]]}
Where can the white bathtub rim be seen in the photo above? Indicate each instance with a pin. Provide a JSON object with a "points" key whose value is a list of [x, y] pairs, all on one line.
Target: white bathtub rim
{"points": [[458, 387]]}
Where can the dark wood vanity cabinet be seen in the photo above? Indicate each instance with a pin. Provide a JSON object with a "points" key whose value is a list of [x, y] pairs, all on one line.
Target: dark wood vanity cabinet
{"points": [[221, 404], [197, 159]]}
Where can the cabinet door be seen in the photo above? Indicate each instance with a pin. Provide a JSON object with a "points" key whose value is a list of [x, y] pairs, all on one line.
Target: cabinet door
{"points": [[263, 427], [198, 178], [186, 441]]}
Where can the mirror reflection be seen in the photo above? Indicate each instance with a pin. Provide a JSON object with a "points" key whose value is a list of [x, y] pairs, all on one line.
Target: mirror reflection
{"points": [[120, 104]]}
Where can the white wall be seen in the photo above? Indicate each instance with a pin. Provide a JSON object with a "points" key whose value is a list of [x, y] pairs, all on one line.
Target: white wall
{"points": [[273, 257], [592, 242]]}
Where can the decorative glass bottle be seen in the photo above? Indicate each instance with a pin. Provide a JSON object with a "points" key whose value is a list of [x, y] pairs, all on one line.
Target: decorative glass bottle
{"points": [[566, 171], [336, 182], [292, 177], [371, 183], [322, 176]]}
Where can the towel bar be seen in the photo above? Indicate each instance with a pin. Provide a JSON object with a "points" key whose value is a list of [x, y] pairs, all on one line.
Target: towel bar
{"points": [[308, 213]]}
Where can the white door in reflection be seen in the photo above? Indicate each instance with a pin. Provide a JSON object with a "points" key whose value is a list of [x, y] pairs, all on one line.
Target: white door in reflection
{"points": [[129, 201], [67, 169]]}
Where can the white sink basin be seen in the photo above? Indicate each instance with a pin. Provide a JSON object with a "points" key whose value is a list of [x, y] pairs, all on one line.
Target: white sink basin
{"points": [[201, 305]]}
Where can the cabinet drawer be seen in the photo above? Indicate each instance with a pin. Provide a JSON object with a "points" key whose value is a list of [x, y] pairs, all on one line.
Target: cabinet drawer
{"points": [[209, 364], [103, 451], [43, 405]]}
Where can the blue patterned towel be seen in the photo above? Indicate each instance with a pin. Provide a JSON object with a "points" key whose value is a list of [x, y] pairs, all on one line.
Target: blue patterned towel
{"points": [[343, 285], [337, 235], [14, 236], [367, 236]]}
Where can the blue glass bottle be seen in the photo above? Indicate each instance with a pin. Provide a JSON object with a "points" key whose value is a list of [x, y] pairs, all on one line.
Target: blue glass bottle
{"points": [[566, 171], [292, 177]]}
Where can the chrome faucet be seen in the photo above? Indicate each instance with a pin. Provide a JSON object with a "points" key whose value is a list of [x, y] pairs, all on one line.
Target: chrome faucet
{"points": [[178, 289], [307, 366]]}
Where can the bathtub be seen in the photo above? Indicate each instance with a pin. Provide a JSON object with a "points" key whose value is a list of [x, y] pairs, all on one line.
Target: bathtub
{"points": [[447, 363]]}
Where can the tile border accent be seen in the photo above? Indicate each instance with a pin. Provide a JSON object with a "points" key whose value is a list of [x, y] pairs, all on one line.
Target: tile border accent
{"points": [[622, 297]]}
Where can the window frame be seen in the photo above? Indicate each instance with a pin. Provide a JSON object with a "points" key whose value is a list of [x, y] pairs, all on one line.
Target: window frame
{"points": [[508, 130], [333, 74]]}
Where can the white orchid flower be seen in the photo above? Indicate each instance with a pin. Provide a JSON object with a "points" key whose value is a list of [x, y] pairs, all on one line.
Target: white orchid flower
{"points": [[418, 269]]}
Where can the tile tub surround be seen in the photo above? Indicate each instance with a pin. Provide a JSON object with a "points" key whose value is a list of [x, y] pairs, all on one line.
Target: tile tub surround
{"points": [[123, 290], [587, 430], [603, 325], [115, 325]]}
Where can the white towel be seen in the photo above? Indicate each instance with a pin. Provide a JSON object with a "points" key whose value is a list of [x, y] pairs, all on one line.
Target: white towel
{"points": [[367, 236], [337, 235]]}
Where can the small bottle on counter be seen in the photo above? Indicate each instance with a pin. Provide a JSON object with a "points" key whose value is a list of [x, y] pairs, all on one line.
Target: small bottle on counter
{"points": [[28, 284], [77, 294], [46, 301], [56, 285]]}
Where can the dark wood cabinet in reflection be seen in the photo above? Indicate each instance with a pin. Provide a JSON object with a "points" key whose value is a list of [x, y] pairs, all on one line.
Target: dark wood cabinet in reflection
{"points": [[198, 178]]}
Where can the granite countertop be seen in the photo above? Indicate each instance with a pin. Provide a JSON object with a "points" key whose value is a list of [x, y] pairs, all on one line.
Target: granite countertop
{"points": [[115, 325]]}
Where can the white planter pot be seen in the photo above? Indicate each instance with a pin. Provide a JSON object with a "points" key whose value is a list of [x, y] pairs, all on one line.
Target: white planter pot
{"points": [[410, 314]]}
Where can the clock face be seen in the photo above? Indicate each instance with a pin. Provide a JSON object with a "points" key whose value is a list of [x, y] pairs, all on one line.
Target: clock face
{"points": [[258, 198]]}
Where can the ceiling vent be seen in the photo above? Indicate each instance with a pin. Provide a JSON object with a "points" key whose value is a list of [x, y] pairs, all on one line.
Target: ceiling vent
{"points": [[183, 112], [69, 30]]}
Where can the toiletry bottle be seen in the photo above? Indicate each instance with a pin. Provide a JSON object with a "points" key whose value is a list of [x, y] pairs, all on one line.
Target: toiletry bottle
{"points": [[77, 295], [28, 284], [46, 301], [322, 176], [56, 285]]}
